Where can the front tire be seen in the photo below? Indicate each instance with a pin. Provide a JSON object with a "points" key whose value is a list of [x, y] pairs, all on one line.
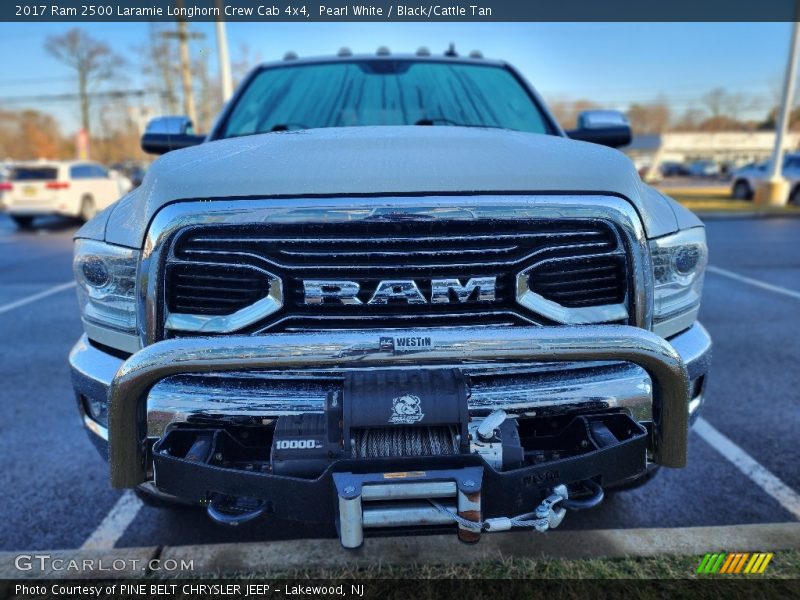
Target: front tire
{"points": [[88, 209], [23, 222], [794, 197], [634, 483], [741, 190]]}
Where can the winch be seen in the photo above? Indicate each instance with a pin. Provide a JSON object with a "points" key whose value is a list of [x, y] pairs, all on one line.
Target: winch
{"points": [[400, 451], [398, 413]]}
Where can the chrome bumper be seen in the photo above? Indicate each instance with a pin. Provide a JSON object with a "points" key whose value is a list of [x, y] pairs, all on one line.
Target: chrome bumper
{"points": [[669, 365], [544, 389]]}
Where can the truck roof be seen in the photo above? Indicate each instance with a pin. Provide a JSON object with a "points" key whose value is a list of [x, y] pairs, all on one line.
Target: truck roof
{"points": [[292, 59]]}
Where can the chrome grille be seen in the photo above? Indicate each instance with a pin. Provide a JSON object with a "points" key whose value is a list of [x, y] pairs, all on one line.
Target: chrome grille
{"points": [[209, 289], [581, 282], [573, 262]]}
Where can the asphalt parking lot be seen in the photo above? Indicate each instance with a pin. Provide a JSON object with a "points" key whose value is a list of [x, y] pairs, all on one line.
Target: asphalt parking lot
{"points": [[55, 491]]}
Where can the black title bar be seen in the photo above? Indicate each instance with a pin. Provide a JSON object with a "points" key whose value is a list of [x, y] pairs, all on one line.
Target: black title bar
{"points": [[389, 10]]}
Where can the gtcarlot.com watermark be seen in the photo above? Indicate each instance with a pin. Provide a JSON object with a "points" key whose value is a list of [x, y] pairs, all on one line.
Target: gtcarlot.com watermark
{"points": [[45, 562]]}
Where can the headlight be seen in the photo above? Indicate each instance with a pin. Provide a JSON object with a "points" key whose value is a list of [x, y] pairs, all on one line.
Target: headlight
{"points": [[679, 263], [106, 277]]}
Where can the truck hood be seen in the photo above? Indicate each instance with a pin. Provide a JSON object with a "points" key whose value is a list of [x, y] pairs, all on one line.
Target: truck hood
{"points": [[385, 160]]}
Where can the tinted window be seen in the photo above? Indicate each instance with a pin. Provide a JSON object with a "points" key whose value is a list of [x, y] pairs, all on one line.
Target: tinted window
{"points": [[33, 173], [383, 92], [791, 163], [80, 172]]}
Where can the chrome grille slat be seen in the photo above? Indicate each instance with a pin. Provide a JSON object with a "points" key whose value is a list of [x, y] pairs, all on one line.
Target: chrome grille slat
{"points": [[273, 263], [438, 239], [200, 277], [592, 301], [593, 292], [570, 272], [394, 254], [201, 288], [588, 280]]}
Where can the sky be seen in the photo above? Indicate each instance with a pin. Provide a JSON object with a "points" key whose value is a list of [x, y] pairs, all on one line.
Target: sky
{"points": [[612, 64]]}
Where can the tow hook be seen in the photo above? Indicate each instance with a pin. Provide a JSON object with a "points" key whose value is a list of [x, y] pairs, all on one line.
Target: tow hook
{"points": [[234, 511], [548, 515], [548, 510]]}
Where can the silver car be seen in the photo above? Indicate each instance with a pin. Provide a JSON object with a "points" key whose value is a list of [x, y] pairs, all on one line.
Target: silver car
{"points": [[746, 179]]}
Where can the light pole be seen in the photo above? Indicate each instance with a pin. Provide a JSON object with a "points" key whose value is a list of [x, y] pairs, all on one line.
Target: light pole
{"points": [[226, 80], [774, 190]]}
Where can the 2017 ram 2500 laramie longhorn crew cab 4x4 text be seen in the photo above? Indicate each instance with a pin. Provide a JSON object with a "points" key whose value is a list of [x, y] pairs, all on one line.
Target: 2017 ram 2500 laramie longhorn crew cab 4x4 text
{"points": [[390, 292]]}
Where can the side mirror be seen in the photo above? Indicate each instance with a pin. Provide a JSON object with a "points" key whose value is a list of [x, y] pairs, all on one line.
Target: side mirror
{"points": [[604, 127], [164, 134]]}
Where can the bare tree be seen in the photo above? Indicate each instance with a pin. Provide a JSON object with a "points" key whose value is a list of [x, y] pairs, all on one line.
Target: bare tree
{"points": [[566, 111], [652, 117], [715, 101], [29, 134], [160, 64], [92, 59], [207, 92], [117, 135], [690, 119], [244, 63]]}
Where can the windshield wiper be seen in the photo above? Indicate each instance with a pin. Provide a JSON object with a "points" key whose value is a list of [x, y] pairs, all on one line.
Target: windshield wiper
{"points": [[288, 127], [446, 121]]}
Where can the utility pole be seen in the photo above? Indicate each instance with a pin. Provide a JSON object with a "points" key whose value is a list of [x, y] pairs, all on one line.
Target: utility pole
{"points": [[774, 190], [183, 36], [225, 78], [186, 70]]}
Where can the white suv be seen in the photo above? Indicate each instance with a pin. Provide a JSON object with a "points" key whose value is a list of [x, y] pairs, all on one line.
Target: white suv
{"points": [[69, 188]]}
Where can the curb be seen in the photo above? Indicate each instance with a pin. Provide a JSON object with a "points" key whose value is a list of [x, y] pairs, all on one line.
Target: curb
{"points": [[214, 559]]}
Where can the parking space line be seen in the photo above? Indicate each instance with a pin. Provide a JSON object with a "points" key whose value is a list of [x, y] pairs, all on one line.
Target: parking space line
{"points": [[114, 523], [754, 282], [38, 296], [769, 483]]}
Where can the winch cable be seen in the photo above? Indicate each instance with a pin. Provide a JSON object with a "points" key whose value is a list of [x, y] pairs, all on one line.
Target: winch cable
{"points": [[405, 441], [548, 515]]}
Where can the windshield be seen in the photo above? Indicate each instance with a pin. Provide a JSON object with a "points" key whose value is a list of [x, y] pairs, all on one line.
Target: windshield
{"points": [[383, 92]]}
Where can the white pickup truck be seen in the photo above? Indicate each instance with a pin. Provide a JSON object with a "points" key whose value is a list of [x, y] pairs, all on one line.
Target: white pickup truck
{"points": [[390, 292]]}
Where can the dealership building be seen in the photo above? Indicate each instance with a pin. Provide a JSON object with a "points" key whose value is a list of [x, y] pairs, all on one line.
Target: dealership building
{"points": [[725, 148]]}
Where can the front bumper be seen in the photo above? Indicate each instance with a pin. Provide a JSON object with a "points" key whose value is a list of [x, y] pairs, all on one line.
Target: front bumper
{"points": [[676, 368]]}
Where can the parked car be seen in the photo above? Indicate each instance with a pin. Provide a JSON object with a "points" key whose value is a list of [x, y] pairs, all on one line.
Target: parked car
{"points": [[133, 170], [703, 168], [674, 169], [3, 185], [746, 179], [68, 188], [390, 291]]}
